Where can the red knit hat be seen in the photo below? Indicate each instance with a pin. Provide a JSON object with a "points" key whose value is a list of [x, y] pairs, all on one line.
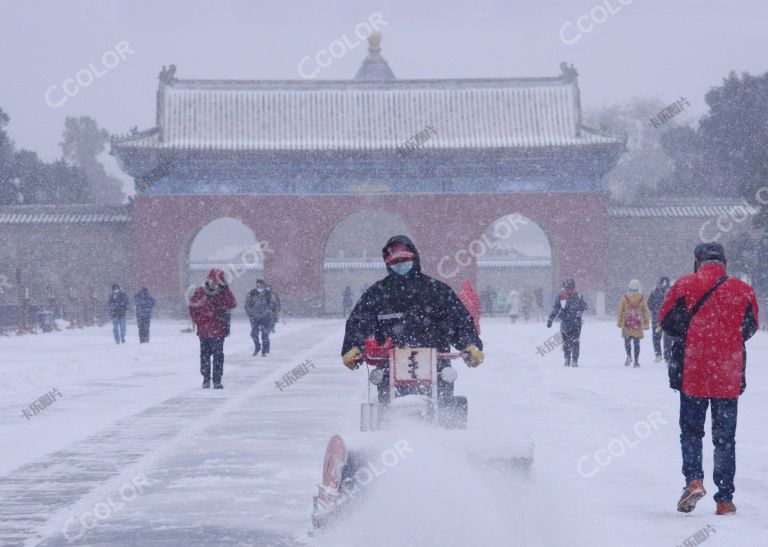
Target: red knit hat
{"points": [[216, 274], [397, 252]]}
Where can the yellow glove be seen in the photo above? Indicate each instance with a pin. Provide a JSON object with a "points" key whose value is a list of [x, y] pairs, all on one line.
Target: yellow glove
{"points": [[474, 356], [350, 358]]}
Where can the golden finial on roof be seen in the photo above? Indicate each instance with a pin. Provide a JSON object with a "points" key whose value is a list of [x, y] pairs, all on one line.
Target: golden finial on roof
{"points": [[374, 46]]}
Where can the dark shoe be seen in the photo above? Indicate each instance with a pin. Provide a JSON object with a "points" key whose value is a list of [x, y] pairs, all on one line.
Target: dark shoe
{"points": [[690, 496], [255, 352], [637, 364], [264, 353], [567, 362], [725, 508], [218, 386], [206, 383]]}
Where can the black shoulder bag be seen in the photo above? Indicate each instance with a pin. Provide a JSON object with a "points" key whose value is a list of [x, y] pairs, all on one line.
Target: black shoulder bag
{"points": [[677, 355]]}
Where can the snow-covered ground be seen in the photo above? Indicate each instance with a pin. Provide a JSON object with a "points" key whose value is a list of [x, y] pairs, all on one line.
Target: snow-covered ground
{"points": [[134, 452]]}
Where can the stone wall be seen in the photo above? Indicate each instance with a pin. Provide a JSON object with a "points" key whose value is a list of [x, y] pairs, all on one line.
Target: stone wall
{"points": [[86, 247]]}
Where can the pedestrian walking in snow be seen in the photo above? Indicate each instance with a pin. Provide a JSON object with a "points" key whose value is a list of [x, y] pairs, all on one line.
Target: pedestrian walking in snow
{"points": [[261, 309], [118, 307], [276, 312], [711, 316], [346, 301], [501, 301], [655, 300], [210, 308], [526, 304], [144, 304], [569, 307], [513, 305], [538, 295], [633, 319]]}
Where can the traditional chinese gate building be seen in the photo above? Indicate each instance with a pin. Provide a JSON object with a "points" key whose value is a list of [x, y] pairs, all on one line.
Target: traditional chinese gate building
{"points": [[292, 160]]}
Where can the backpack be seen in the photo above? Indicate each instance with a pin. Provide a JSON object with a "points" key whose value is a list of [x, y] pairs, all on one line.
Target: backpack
{"points": [[634, 317], [681, 320]]}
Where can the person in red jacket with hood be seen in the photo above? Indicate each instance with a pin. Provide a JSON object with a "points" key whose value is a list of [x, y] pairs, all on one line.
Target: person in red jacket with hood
{"points": [[710, 347], [210, 308]]}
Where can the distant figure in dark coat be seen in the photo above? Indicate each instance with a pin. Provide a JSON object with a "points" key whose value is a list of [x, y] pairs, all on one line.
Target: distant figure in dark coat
{"points": [[261, 308], [346, 301], [655, 300], [569, 307], [118, 306], [144, 304]]}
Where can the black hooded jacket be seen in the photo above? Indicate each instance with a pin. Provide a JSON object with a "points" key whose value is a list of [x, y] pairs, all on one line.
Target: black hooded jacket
{"points": [[657, 296], [414, 309]]}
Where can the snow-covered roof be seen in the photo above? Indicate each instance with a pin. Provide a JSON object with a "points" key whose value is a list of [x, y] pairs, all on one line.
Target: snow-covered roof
{"points": [[367, 115], [515, 263], [63, 214], [684, 210]]}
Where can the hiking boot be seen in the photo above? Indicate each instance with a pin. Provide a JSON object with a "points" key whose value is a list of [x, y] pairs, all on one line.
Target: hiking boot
{"points": [[725, 508], [690, 496], [206, 383], [218, 385]]}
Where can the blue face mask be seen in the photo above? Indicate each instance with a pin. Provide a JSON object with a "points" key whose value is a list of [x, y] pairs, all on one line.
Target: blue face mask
{"points": [[402, 268], [260, 289]]}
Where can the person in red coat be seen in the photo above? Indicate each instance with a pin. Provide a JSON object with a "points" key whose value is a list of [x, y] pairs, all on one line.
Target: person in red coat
{"points": [[471, 301], [210, 308], [711, 348]]}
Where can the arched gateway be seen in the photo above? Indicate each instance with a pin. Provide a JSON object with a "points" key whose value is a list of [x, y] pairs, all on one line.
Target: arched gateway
{"points": [[293, 159]]}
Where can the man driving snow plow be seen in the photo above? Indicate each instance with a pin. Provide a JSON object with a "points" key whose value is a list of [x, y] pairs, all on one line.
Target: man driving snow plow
{"points": [[409, 309], [405, 325]]}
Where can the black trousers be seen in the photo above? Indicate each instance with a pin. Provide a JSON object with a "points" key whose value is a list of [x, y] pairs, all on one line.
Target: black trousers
{"points": [[628, 346], [571, 341], [260, 328], [212, 349], [143, 330], [693, 414]]}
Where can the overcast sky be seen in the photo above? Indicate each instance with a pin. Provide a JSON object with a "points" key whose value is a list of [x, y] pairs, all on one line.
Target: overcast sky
{"points": [[635, 48]]}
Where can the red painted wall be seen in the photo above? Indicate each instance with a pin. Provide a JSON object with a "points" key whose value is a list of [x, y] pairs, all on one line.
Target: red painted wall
{"points": [[297, 228]]}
